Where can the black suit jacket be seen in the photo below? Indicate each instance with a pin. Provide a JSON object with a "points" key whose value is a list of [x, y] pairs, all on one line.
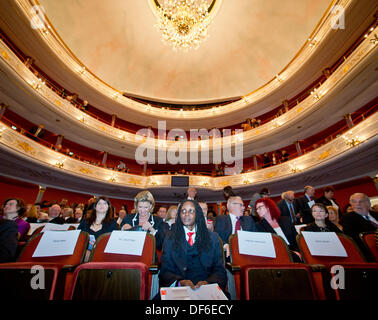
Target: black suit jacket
{"points": [[61, 220], [223, 226], [156, 222], [304, 209], [287, 228], [8, 240], [285, 210], [174, 265], [353, 224]]}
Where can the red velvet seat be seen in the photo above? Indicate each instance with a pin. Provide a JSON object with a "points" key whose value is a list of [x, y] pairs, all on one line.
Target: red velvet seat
{"points": [[148, 256], [370, 241], [240, 261], [110, 281], [67, 262], [352, 277], [29, 281]]}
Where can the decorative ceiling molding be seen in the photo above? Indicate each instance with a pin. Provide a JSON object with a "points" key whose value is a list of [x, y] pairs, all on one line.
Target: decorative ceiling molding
{"points": [[57, 45], [22, 147], [363, 55]]}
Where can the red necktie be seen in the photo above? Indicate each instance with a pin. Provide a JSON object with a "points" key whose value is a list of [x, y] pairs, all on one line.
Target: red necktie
{"points": [[237, 224], [190, 240]]}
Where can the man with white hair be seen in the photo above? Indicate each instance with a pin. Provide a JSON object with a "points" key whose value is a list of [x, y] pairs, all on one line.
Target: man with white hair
{"points": [[288, 207], [361, 219], [192, 192]]}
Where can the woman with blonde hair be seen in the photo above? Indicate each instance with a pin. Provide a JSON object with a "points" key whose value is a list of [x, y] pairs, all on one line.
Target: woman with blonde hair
{"points": [[32, 214], [333, 216], [171, 216], [144, 220]]}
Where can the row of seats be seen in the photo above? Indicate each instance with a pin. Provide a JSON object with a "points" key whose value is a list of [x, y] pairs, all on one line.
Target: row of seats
{"points": [[120, 276], [261, 278]]}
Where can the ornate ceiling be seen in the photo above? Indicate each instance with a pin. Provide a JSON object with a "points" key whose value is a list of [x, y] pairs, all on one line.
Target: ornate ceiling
{"points": [[250, 42]]}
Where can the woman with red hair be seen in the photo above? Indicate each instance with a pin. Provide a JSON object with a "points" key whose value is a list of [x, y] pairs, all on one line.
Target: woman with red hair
{"points": [[272, 221]]}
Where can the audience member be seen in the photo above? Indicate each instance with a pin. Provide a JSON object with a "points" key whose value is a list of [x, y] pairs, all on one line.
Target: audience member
{"points": [[99, 220], [162, 212], [225, 225], [171, 216], [327, 199], [32, 214], [263, 193], [288, 207], [54, 213], [209, 222], [361, 219], [284, 156], [228, 192], [321, 222], [8, 240], [78, 214], [272, 221], [37, 133], [120, 216], [333, 216], [305, 203], [144, 220], [192, 192], [191, 255], [14, 209], [266, 160]]}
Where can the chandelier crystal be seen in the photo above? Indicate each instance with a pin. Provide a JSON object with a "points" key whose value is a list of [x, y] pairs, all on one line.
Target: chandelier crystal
{"points": [[183, 23]]}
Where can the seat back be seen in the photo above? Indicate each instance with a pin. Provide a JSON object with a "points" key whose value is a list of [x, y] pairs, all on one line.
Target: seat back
{"points": [[110, 281], [370, 240], [28, 281], [73, 260], [282, 253], [148, 255], [279, 282], [354, 254], [240, 261]]}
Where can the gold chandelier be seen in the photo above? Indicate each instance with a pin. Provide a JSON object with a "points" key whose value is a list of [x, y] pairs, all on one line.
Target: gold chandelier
{"points": [[183, 23]]}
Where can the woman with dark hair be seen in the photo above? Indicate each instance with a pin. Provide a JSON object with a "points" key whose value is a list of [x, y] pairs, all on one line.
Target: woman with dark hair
{"points": [[192, 255], [14, 209], [272, 221], [321, 223], [99, 219], [228, 192]]}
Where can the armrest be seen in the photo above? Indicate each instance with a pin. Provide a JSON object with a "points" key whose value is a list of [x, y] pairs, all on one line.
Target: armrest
{"points": [[232, 268], [154, 268]]}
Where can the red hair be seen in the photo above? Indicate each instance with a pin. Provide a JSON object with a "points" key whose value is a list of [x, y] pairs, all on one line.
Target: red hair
{"points": [[275, 213]]}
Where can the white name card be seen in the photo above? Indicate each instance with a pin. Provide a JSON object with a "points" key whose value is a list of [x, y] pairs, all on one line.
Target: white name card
{"points": [[126, 242], [256, 244], [324, 244], [55, 227], [56, 243], [204, 292]]}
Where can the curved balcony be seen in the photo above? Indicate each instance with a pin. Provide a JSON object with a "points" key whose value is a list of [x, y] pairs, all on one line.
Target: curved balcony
{"points": [[112, 101], [349, 156], [340, 94]]}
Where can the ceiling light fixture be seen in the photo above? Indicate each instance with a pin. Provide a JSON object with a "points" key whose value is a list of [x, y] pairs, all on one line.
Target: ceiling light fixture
{"points": [[184, 23]]}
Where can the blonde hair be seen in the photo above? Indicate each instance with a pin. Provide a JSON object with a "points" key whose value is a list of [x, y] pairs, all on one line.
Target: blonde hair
{"points": [[169, 213], [144, 196], [32, 213]]}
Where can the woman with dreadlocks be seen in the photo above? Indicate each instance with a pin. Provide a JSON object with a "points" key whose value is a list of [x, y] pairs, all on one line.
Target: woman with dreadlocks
{"points": [[192, 255]]}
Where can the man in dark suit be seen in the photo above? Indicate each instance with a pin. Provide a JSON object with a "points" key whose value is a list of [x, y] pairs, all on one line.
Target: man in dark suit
{"points": [[288, 207], [8, 240], [225, 225], [305, 203], [192, 255], [327, 198], [360, 220], [37, 133]]}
